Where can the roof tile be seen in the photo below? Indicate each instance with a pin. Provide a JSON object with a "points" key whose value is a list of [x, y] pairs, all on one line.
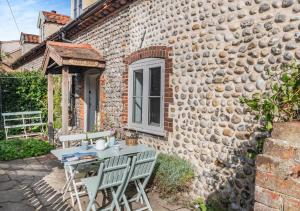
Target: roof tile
{"points": [[53, 17], [31, 38]]}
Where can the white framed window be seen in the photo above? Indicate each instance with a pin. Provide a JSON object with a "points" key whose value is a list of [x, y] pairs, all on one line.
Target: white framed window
{"points": [[146, 96]]}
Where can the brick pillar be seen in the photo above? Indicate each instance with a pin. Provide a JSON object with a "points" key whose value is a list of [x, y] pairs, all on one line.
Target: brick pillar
{"points": [[277, 185]]}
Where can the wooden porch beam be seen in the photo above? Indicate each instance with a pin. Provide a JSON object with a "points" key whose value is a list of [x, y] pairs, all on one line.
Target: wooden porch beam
{"points": [[50, 109], [65, 99]]}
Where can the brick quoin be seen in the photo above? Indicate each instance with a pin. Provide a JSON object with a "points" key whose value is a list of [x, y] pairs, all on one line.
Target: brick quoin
{"points": [[280, 150], [269, 198], [287, 186], [162, 52], [102, 99], [291, 204], [81, 102]]}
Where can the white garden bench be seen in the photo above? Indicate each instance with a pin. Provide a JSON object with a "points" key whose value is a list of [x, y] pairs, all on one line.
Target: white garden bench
{"points": [[23, 120]]}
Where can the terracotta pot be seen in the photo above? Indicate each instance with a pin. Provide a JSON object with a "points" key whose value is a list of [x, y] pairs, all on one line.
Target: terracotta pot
{"points": [[131, 141], [289, 131]]}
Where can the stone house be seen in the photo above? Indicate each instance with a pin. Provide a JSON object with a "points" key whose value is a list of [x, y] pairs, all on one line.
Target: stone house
{"points": [[174, 70], [50, 22], [28, 41]]}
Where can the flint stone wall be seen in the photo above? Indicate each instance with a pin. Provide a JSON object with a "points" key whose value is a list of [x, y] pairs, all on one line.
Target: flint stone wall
{"points": [[222, 50]]}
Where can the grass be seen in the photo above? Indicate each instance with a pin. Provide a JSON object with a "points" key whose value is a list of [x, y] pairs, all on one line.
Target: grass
{"points": [[23, 148], [173, 175]]}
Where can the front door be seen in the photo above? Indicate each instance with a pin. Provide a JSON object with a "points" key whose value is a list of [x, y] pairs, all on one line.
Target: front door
{"points": [[91, 101]]}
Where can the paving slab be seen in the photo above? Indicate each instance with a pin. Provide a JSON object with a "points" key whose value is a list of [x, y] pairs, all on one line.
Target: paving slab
{"points": [[14, 195], [15, 206], [8, 185]]}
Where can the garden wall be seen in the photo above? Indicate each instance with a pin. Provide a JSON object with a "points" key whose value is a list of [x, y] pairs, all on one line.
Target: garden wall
{"points": [[278, 171], [221, 50]]}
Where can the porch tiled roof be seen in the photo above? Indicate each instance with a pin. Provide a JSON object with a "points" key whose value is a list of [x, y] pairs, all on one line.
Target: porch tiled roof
{"points": [[54, 17], [30, 38], [59, 54], [75, 51]]}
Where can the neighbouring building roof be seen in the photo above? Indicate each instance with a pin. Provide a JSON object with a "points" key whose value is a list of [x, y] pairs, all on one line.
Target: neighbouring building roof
{"points": [[9, 46], [71, 54], [12, 56], [54, 17], [97, 12], [30, 38]]}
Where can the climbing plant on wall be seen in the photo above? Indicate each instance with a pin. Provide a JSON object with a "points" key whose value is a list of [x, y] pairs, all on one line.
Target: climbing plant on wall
{"points": [[57, 101], [281, 102]]}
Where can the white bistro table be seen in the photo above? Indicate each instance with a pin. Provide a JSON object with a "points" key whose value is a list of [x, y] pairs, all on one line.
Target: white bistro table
{"points": [[71, 166]]}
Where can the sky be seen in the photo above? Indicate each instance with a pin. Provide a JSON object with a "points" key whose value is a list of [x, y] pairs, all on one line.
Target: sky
{"points": [[26, 13]]}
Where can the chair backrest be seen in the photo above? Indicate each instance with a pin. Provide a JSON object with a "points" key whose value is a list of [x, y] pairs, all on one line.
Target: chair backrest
{"points": [[66, 139], [99, 134], [80, 137], [143, 165], [113, 172]]}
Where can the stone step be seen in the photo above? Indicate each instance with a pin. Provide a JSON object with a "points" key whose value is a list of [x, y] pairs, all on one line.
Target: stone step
{"points": [[282, 149]]}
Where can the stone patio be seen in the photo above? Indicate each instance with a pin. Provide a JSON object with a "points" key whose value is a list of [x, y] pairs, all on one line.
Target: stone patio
{"points": [[35, 184]]}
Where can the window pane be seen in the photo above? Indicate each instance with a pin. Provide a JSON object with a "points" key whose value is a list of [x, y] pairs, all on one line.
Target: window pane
{"points": [[137, 109], [154, 111], [155, 81], [137, 96], [138, 83]]}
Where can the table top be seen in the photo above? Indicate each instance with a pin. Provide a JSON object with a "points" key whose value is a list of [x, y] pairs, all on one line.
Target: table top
{"points": [[107, 153]]}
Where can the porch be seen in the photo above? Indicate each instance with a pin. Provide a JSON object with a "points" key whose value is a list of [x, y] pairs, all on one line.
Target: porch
{"points": [[80, 67]]}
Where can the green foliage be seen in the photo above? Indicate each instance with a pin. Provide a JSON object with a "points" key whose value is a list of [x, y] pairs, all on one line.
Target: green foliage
{"points": [[57, 101], [211, 204], [282, 102], [23, 91], [172, 175], [251, 153], [19, 148], [200, 204]]}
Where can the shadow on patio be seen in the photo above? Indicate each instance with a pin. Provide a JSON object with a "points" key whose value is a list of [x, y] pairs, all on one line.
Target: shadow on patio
{"points": [[35, 184]]}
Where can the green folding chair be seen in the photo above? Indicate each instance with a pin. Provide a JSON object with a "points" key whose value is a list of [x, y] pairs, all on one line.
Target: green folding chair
{"points": [[112, 175], [142, 167]]}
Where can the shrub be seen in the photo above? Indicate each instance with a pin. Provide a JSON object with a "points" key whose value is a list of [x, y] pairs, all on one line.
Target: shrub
{"points": [[279, 104], [282, 102], [24, 91], [18, 148], [172, 175], [211, 204]]}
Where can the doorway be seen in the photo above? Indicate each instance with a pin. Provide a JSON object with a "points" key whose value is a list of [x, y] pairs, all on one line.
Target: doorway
{"points": [[91, 101]]}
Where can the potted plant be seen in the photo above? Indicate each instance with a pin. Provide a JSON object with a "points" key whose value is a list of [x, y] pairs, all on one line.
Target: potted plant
{"points": [[132, 139]]}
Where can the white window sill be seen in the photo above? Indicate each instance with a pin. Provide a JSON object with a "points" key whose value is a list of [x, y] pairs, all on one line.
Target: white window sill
{"points": [[143, 130]]}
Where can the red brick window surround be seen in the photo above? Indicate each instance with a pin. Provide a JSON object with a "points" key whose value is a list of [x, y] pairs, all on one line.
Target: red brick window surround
{"points": [[161, 52]]}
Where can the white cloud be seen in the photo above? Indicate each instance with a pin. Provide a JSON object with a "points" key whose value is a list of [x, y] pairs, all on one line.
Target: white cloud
{"points": [[26, 13]]}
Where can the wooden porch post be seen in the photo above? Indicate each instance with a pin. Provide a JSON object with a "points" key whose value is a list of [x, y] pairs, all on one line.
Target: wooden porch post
{"points": [[50, 109], [65, 99]]}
